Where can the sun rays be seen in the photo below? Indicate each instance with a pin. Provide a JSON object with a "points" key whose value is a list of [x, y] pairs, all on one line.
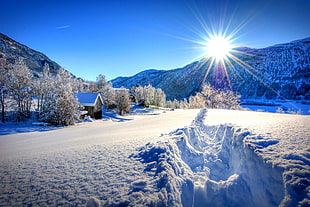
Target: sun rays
{"points": [[221, 54]]}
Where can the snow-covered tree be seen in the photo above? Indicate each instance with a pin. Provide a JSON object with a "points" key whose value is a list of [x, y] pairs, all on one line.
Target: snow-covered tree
{"points": [[60, 105], [20, 88], [108, 94], [4, 82], [91, 87], [184, 104], [215, 98], [122, 101], [101, 81], [42, 86], [137, 93], [159, 97], [208, 97], [175, 104], [148, 94]]}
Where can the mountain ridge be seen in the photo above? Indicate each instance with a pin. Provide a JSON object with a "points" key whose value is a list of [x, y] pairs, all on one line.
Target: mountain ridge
{"points": [[280, 71], [35, 60]]}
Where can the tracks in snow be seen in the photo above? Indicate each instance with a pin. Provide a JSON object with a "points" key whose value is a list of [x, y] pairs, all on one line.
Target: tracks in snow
{"points": [[215, 165]]}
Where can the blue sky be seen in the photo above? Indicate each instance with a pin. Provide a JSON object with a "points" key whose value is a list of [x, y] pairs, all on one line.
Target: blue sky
{"points": [[121, 38]]}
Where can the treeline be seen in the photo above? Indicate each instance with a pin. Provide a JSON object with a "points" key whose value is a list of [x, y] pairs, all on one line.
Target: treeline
{"points": [[208, 97], [54, 100], [51, 97]]}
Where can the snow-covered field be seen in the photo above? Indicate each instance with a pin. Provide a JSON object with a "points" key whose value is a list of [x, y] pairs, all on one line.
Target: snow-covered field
{"points": [[277, 106], [177, 158]]}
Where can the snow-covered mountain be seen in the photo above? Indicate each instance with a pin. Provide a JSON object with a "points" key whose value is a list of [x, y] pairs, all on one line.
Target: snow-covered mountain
{"points": [[278, 72], [12, 51]]}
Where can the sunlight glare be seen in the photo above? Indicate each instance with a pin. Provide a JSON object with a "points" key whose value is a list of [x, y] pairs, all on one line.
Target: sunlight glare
{"points": [[218, 47]]}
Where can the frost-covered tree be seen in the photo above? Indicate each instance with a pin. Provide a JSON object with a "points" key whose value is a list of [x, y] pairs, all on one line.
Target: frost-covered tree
{"points": [[148, 94], [232, 100], [136, 93], [42, 86], [184, 104], [20, 88], [95, 86], [4, 82], [91, 87], [60, 105], [122, 101], [175, 104], [101, 81], [208, 97], [215, 98], [108, 94], [196, 102], [159, 97]]}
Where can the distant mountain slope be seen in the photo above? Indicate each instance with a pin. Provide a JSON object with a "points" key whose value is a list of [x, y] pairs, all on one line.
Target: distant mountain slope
{"points": [[279, 71], [33, 59]]}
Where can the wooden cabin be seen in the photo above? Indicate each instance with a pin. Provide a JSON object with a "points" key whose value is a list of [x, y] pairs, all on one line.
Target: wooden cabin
{"points": [[92, 103]]}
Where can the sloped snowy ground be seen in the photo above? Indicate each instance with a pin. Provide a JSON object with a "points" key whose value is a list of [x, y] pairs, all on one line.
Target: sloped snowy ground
{"points": [[70, 165], [223, 158]]}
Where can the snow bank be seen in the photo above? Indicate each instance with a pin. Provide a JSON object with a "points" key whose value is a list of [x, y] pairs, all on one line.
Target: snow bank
{"points": [[225, 165]]}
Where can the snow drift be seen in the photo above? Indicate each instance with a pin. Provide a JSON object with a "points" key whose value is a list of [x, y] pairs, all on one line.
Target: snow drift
{"points": [[221, 165]]}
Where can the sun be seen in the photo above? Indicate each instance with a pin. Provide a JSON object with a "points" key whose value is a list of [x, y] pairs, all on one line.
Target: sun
{"points": [[218, 47]]}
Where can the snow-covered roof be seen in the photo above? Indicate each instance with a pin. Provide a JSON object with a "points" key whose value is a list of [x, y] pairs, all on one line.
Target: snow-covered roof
{"points": [[88, 99]]}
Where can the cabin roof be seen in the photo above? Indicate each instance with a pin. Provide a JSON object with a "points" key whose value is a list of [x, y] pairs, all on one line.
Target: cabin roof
{"points": [[88, 99]]}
